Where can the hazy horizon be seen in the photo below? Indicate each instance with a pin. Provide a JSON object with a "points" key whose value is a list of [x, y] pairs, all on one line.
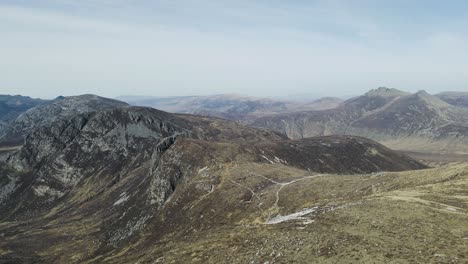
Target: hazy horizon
{"points": [[287, 97], [256, 48]]}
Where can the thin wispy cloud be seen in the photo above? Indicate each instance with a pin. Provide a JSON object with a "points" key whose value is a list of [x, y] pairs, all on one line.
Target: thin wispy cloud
{"points": [[260, 48]]}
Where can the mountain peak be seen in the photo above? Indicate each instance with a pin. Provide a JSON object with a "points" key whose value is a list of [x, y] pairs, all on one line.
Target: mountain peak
{"points": [[88, 97], [386, 92], [422, 93], [431, 99]]}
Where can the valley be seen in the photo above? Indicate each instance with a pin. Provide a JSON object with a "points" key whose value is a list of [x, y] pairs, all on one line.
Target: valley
{"points": [[100, 181], [342, 217]]}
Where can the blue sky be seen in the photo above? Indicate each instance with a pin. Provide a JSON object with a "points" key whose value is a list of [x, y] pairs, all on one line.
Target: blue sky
{"points": [[260, 48]]}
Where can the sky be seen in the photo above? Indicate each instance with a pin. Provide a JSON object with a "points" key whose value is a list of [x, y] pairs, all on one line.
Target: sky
{"points": [[266, 48]]}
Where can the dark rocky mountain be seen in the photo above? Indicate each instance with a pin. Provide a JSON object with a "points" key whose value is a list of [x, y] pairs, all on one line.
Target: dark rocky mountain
{"points": [[459, 99], [400, 120], [11, 106], [104, 182], [45, 114], [233, 107]]}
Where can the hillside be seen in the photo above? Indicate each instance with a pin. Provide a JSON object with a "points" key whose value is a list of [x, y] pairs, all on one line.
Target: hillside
{"points": [[233, 107], [11, 106], [93, 187], [406, 217], [414, 122], [232, 207], [459, 99]]}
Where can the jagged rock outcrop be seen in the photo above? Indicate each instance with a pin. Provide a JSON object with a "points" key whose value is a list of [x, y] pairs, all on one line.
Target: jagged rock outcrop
{"points": [[45, 114]]}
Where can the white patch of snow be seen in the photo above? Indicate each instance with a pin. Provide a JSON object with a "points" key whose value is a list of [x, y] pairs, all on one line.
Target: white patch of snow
{"points": [[123, 198], [43, 190], [295, 216], [308, 221], [202, 169], [267, 159], [278, 160]]}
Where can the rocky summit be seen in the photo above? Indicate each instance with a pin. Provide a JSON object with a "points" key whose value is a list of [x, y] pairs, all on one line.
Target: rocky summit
{"points": [[103, 182], [45, 114]]}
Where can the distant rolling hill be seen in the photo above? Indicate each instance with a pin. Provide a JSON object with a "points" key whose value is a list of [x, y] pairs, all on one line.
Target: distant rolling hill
{"points": [[233, 107], [413, 122]]}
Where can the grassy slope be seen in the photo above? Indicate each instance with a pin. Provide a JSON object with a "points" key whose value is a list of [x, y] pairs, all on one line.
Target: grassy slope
{"points": [[398, 217], [404, 217]]}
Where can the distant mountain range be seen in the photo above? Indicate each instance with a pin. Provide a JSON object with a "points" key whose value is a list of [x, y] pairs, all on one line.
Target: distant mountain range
{"points": [[233, 107], [414, 122], [454, 98], [411, 122]]}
